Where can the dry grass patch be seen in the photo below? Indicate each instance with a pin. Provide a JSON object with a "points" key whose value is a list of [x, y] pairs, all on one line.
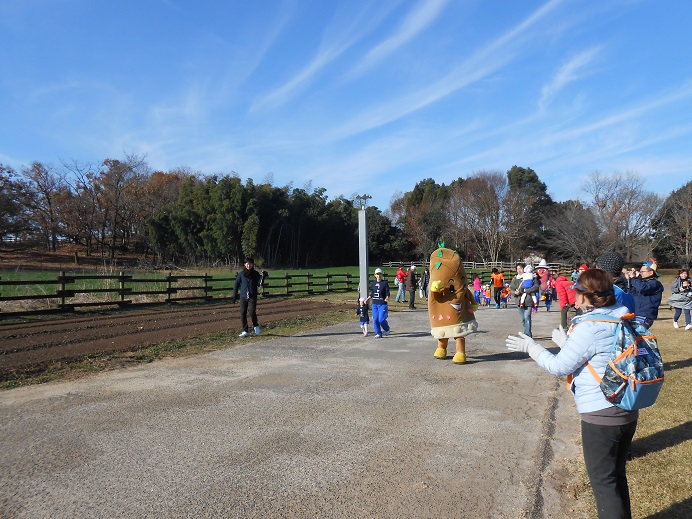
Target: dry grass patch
{"points": [[662, 447]]}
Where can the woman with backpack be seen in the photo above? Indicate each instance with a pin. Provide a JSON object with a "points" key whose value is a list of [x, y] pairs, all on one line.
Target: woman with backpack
{"points": [[606, 430]]}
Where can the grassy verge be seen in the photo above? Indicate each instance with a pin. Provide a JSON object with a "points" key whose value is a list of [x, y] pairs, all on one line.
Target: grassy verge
{"points": [[659, 471]]}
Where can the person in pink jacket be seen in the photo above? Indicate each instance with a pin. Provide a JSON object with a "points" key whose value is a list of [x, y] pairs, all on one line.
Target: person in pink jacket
{"points": [[566, 296]]}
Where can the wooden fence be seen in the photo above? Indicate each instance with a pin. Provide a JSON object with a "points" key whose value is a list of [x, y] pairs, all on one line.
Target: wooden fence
{"points": [[68, 291]]}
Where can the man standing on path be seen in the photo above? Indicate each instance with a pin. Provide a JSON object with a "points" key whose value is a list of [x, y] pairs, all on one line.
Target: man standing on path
{"points": [[247, 283], [411, 283], [515, 288]]}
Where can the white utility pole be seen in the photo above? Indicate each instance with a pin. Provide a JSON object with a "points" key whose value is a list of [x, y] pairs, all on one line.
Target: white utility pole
{"points": [[361, 201]]}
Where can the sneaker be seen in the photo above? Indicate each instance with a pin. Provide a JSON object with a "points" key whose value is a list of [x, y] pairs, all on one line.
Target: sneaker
{"points": [[387, 333], [688, 327], [675, 324], [378, 336], [257, 330], [497, 306], [365, 333], [243, 334]]}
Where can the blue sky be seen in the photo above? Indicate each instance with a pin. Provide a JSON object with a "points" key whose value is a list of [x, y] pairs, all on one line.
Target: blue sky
{"points": [[353, 96]]}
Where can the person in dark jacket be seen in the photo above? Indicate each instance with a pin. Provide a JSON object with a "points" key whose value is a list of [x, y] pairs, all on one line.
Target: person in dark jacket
{"points": [[247, 284], [411, 284], [647, 292]]}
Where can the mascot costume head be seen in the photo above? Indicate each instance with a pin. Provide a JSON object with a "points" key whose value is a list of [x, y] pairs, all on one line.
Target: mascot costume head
{"points": [[451, 305]]}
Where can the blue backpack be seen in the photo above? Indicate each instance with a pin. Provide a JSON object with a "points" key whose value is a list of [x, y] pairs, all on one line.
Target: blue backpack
{"points": [[634, 374]]}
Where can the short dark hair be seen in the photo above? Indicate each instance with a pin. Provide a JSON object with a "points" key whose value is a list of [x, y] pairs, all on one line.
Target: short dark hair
{"points": [[250, 260]]}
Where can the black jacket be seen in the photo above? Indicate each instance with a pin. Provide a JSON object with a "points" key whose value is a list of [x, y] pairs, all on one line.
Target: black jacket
{"points": [[246, 284]]}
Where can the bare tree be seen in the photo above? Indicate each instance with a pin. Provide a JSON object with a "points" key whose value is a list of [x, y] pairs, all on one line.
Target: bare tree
{"points": [[624, 212], [44, 187], [572, 232], [480, 206], [674, 226]]}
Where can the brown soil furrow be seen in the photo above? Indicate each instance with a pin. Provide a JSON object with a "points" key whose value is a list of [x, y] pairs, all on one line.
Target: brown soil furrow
{"points": [[29, 346]]}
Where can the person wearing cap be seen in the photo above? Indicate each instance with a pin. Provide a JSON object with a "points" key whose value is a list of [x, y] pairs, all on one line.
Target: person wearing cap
{"points": [[648, 292], [379, 295], [606, 430], [247, 284], [613, 263], [546, 282], [515, 287], [411, 284]]}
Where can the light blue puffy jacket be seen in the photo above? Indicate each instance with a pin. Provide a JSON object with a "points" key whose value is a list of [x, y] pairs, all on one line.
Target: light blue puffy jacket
{"points": [[589, 341]]}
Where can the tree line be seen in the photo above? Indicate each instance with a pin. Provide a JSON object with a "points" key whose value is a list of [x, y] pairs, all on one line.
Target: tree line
{"points": [[186, 218]]}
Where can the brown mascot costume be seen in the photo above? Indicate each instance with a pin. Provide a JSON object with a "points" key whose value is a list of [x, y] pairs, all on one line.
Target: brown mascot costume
{"points": [[451, 305]]}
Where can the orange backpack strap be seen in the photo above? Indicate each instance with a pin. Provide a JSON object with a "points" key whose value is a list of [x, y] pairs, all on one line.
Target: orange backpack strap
{"points": [[570, 377]]}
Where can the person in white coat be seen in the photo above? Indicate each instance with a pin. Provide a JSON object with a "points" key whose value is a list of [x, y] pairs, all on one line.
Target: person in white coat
{"points": [[606, 430]]}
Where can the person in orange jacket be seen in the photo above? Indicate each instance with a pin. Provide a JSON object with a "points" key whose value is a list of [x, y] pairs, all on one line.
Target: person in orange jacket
{"points": [[498, 283]]}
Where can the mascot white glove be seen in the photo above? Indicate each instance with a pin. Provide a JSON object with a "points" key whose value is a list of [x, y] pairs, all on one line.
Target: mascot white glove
{"points": [[559, 336], [525, 344]]}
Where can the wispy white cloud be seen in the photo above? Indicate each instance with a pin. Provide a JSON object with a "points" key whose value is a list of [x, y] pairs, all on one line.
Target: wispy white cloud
{"points": [[568, 73], [480, 65], [416, 22], [344, 31]]}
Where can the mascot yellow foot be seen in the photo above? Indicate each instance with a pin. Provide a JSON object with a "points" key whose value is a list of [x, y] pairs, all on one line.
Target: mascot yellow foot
{"points": [[441, 351], [460, 355], [459, 358]]}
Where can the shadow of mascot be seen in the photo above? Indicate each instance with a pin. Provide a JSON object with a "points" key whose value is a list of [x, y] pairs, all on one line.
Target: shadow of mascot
{"points": [[451, 305]]}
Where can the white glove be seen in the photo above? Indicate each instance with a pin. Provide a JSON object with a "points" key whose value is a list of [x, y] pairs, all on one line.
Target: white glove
{"points": [[559, 336], [525, 344]]}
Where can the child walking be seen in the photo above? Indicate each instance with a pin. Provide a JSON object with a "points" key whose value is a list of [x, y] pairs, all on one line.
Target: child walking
{"points": [[362, 311]]}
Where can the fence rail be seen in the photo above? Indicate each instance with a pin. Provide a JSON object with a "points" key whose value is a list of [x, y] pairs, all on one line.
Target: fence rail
{"points": [[67, 292]]}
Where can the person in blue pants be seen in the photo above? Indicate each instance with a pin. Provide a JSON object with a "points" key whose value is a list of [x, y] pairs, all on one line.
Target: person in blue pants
{"points": [[379, 295]]}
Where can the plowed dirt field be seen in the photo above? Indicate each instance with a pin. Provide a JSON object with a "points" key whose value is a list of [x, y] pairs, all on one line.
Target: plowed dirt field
{"points": [[31, 346]]}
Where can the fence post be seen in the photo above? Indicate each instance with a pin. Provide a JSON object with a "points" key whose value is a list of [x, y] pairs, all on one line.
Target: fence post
{"points": [[168, 290], [62, 289], [307, 283], [121, 279], [286, 278], [327, 276], [348, 281]]}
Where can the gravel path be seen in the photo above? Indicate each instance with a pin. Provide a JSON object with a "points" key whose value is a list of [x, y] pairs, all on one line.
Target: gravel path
{"points": [[327, 424]]}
